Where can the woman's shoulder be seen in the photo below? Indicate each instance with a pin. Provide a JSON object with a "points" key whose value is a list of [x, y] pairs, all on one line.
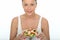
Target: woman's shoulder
{"points": [[14, 22], [44, 23], [15, 19], [44, 20]]}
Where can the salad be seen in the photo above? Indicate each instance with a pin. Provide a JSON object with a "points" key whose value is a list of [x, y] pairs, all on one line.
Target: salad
{"points": [[30, 33]]}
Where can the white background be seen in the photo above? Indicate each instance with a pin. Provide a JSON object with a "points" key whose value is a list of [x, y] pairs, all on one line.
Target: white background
{"points": [[50, 9]]}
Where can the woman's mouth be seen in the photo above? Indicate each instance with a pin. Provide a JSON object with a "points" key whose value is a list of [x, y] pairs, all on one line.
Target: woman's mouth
{"points": [[29, 11]]}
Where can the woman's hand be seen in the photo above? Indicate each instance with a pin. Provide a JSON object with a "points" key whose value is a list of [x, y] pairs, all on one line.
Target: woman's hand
{"points": [[21, 37], [41, 36]]}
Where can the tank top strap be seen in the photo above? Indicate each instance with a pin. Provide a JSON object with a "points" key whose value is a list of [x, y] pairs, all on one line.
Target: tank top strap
{"points": [[39, 25], [19, 31]]}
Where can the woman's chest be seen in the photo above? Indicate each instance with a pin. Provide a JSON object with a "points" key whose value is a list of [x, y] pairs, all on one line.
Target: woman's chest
{"points": [[29, 24]]}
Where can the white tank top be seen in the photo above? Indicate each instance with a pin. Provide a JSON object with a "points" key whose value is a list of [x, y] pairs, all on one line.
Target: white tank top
{"points": [[20, 28]]}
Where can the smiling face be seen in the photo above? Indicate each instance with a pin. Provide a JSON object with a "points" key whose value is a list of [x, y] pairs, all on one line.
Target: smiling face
{"points": [[29, 6]]}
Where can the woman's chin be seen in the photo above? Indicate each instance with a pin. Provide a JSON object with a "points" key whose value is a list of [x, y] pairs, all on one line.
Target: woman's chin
{"points": [[29, 14]]}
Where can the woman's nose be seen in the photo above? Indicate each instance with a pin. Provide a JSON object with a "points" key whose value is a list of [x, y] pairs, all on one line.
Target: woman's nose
{"points": [[29, 7]]}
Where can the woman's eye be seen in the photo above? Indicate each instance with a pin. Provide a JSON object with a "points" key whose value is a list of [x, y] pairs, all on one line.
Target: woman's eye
{"points": [[25, 4], [32, 4]]}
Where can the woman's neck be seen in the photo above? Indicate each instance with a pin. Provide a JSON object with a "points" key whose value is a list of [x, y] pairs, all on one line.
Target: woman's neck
{"points": [[31, 16]]}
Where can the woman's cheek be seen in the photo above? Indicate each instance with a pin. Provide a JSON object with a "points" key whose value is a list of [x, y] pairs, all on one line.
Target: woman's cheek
{"points": [[25, 9]]}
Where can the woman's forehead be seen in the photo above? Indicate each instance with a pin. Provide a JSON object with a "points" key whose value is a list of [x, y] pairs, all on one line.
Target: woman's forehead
{"points": [[29, 1]]}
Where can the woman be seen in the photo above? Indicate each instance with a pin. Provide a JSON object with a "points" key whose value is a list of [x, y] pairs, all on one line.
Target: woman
{"points": [[29, 20]]}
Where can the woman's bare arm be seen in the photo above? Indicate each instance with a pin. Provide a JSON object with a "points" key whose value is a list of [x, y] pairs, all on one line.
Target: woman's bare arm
{"points": [[45, 28], [13, 31]]}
